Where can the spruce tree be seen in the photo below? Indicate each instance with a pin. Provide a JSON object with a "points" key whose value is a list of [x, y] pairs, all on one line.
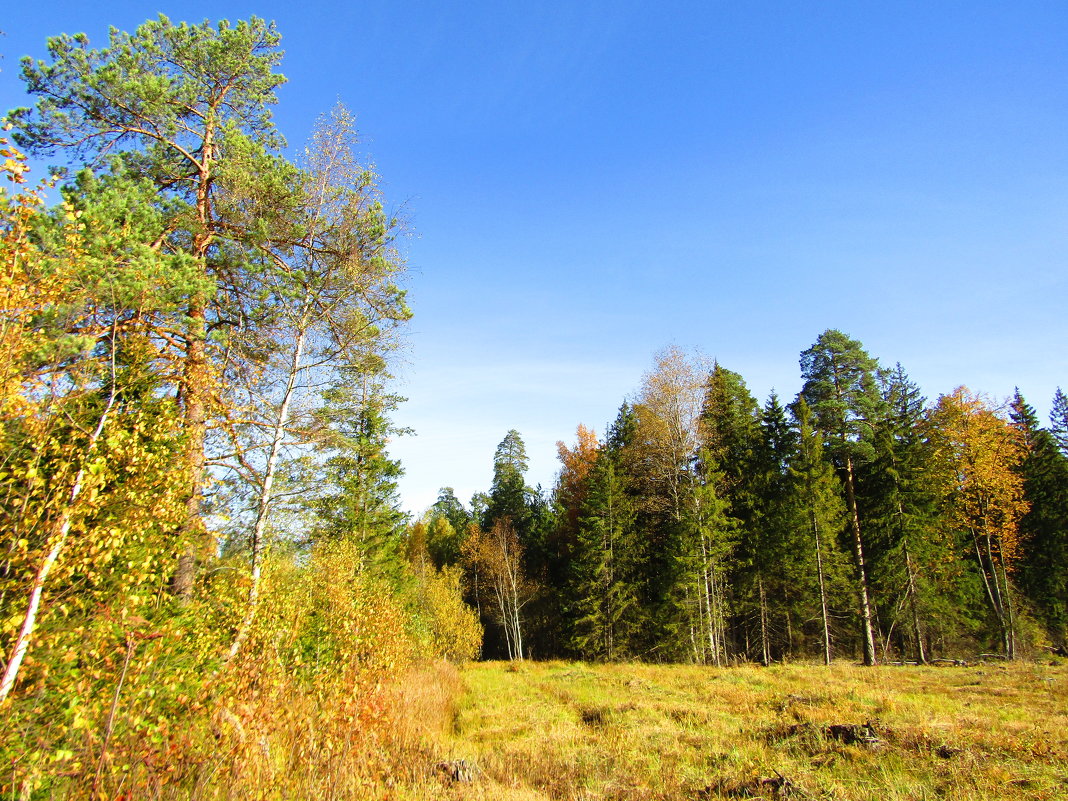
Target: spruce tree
{"points": [[363, 506], [817, 514], [1042, 570], [907, 547], [1058, 416], [776, 544], [600, 581], [729, 429]]}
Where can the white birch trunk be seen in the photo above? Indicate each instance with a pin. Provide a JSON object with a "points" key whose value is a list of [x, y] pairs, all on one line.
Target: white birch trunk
{"points": [[266, 489]]}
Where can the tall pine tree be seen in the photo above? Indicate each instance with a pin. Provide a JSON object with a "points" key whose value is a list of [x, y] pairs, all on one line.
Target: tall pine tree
{"points": [[840, 387]]}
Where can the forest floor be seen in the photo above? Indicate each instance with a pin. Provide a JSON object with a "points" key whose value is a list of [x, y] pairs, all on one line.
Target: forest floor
{"points": [[559, 730]]}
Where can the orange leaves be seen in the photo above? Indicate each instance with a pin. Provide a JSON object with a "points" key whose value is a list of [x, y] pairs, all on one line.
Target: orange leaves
{"points": [[578, 461], [980, 450], [576, 465]]}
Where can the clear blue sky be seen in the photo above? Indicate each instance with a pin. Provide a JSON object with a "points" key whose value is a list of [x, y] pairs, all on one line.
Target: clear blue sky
{"points": [[591, 181]]}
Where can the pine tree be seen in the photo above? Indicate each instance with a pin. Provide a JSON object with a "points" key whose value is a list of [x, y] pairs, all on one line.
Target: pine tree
{"points": [[840, 388], [186, 108], [509, 495]]}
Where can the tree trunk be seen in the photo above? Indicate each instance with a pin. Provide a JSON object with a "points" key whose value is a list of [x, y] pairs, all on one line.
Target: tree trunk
{"points": [[60, 531], [706, 588], [194, 394], [264, 502], [195, 385], [765, 643], [921, 653], [858, 559], [988, 570], [1006, 594], [824, 616]]}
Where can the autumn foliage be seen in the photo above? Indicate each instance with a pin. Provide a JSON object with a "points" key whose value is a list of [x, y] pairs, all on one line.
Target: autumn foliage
{"points": [[115, 683]]}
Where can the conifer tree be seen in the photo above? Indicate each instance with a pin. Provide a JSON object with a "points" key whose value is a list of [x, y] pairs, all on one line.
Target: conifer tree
{"points": [[908, 550], [452, 509], [841, 390], [362, 504], [1043, 564], [1058, 416], [186, 108], [729, 431], [818, 511], [709, 542], [775, 544], [601, 580], [509, 495]]}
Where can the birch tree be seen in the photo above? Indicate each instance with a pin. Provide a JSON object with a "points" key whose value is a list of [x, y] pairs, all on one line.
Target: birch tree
{"points": [[984, 496], [496, 557]]}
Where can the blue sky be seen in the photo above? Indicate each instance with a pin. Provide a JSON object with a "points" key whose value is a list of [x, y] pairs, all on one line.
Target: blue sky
{"points": [[588, 182]]}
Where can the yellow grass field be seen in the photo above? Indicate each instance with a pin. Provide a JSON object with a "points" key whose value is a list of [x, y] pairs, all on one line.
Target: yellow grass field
{"points": [[575, 731]]}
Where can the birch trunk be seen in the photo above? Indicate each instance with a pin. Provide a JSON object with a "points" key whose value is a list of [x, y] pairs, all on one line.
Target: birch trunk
{"points": [[60, 531], [823, 592], [266, 488]]}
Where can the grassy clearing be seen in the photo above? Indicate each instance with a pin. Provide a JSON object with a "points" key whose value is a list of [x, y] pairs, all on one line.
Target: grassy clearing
{"points": [[574, 731]]}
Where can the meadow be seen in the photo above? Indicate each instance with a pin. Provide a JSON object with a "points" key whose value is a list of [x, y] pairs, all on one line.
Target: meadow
{"points": [[559, 730]]}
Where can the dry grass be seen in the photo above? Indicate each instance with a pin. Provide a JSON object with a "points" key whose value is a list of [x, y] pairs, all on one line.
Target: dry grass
{"points": [[574, 731]]}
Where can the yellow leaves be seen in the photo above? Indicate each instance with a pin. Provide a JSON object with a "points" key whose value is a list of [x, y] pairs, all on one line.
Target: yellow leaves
{"points": [[456, 633], [980, 450], [14, 170]]}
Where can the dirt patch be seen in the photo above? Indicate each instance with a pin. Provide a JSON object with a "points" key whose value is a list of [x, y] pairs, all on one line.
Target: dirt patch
{"points": [[594, 717], [774, 787], [860, 734]]}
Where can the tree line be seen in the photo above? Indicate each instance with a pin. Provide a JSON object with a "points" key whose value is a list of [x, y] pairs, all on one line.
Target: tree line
{"points": [[859, 520]]}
